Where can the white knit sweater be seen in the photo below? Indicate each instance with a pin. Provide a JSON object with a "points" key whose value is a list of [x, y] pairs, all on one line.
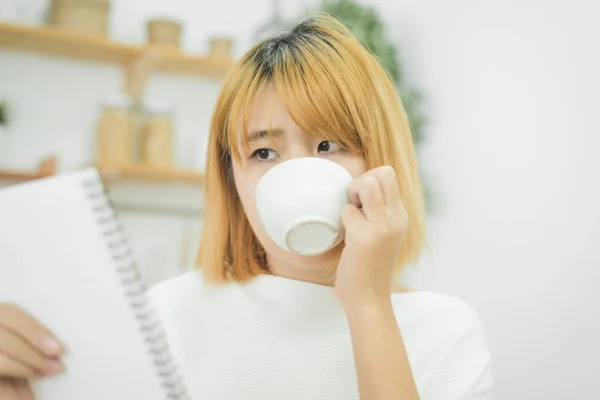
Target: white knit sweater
{"points": [[282, 339]]}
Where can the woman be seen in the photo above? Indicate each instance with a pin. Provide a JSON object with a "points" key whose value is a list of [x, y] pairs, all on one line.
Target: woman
{"points": [[256, 322]]}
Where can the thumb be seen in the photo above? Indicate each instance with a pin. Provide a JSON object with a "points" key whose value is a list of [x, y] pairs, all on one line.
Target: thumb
{"points": [[15, 389]]}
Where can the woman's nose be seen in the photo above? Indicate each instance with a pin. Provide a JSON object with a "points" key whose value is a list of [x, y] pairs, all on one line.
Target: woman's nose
{"points": [[299, 151]]}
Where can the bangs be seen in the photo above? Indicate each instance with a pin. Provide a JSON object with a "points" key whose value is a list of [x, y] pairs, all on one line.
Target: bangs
{"points": [[316, 79]]}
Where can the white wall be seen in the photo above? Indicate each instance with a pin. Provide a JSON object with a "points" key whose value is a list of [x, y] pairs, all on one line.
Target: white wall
{"points": [[512, 101], [514, 135]]}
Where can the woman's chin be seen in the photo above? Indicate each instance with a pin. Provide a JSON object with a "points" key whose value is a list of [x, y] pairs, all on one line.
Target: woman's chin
{"points": [[321, 262]]}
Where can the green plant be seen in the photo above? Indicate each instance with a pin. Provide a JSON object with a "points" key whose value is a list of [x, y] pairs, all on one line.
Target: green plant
{"points": [[3, 113], [364, 22]]}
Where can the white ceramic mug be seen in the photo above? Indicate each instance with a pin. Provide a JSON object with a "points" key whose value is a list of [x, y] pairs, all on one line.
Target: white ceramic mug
{"points": [[299, 203]]}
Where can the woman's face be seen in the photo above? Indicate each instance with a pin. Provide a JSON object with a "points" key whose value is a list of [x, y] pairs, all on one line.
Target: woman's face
{"points": [[264, 153]]}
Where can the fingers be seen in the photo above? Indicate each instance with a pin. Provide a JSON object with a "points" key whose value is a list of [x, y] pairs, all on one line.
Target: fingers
{"points": [[388, 187], [18, 321], [353, 193], [9, 367], [353, 219], [355, 186], [386, 176], [371, 196], [19, 350], [27, 349], [23, 390], [15, 389]]}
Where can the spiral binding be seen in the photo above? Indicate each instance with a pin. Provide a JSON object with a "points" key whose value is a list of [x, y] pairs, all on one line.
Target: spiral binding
{"points": [[135, 289]]}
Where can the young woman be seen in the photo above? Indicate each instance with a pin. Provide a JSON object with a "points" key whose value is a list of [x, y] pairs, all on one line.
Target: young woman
{"points": [[256, 322]]}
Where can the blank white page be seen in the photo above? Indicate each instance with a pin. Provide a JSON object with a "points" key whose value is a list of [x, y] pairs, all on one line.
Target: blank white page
{"points": [[57, 264]]}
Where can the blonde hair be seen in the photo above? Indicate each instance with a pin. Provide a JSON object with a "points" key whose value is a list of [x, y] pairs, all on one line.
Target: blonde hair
{"points": [[333, 89]]}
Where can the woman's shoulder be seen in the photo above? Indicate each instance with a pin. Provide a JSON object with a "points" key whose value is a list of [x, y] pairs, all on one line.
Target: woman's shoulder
{"points": [[436, 311], [178, 289], [446, 343]]}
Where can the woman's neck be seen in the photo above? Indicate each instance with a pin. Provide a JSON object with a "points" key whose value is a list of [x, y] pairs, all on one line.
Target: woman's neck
{"points": [[320, 272]]}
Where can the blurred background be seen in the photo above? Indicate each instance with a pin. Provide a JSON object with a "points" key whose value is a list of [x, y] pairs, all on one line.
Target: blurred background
{"points": [[503, 96]]}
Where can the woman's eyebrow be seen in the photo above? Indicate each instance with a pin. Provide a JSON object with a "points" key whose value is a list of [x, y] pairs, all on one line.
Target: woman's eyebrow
{"points": [[263, 133]]}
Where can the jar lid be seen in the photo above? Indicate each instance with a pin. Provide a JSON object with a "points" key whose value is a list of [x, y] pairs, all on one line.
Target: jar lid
{"points": [[89, 3], [157, 106], [118, 100]]}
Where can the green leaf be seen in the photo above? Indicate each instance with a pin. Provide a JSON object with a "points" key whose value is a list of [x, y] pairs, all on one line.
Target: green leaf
{"points": [[3, 113]]}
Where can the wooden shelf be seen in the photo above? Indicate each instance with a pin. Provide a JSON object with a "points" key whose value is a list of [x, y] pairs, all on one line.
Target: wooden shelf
{"points": [[47, 168], [65, 43], [144, 172]]}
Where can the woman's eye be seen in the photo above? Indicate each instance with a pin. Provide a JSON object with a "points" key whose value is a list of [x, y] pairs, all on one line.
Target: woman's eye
{"points": [[328, 147], [264, 154]]}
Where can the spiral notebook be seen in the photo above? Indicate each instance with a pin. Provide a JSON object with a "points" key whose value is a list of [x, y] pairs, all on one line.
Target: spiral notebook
{"points": [[65, 259]]}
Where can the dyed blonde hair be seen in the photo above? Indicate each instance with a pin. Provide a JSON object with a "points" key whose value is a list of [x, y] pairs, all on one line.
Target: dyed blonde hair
{"points": [[333, 89]]}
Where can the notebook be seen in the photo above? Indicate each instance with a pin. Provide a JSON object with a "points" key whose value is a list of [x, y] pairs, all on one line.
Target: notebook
{"points": [[65, 259]]}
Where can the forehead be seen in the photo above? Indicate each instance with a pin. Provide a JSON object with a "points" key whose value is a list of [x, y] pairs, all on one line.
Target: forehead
{"points": [[290, 101], [269, 111]]}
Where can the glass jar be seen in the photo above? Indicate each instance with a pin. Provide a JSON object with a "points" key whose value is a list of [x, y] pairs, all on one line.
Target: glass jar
{"points": [[116, 130], [157, 135]]}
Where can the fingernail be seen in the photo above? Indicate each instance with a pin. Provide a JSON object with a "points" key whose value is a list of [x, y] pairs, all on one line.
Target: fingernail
{"points": [[50, 346], [52, 367]]}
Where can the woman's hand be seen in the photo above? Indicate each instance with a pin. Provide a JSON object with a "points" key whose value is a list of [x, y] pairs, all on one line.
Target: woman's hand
{"points": [[27, 350], [375, 224], [15, 389]]}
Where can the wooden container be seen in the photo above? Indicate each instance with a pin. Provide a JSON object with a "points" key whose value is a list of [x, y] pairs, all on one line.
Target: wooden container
{"points": [[164, 32], [221, 48], [116, 130], [86, 16], [157, 135]]}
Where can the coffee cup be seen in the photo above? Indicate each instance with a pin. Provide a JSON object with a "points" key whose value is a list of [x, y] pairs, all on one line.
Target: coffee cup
{"points": [[299, 203]]}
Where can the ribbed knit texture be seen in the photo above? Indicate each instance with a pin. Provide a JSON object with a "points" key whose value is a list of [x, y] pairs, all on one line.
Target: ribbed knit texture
{"points": [[282, 339]]}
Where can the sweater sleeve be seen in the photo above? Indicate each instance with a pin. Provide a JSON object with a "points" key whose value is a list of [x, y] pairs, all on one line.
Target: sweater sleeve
{"points": [[464, 368]]}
